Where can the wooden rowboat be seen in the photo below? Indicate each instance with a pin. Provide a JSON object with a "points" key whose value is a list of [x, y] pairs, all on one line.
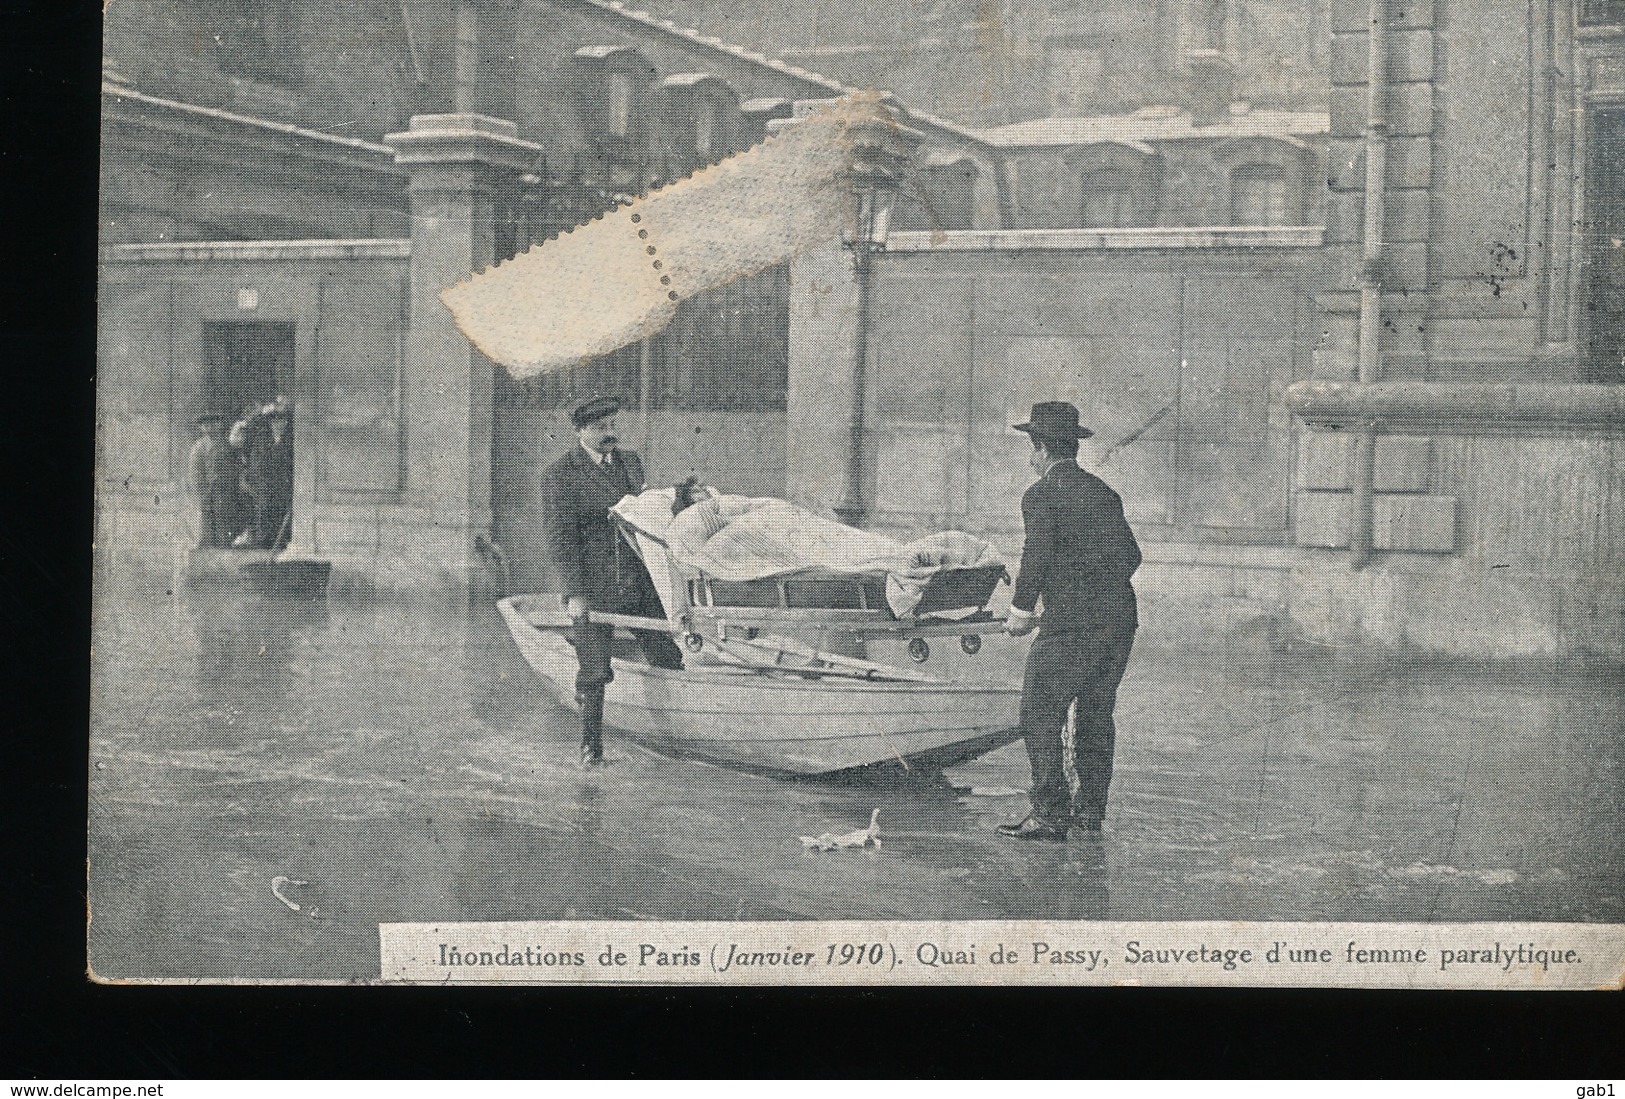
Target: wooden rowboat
{"points": [[812, 715], [303, 578]]}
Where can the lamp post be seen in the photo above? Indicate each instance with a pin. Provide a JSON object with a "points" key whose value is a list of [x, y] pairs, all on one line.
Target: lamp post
{"points": [[876, 172]]}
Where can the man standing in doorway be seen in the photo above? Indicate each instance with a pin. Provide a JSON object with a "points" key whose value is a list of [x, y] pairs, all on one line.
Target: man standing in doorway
{"points": [[277, 522], [1077, 558], [211, 474], [595, 568]]}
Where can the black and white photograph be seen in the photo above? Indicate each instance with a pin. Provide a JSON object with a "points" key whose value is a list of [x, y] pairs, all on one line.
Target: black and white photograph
{"points": [[829, 492]]}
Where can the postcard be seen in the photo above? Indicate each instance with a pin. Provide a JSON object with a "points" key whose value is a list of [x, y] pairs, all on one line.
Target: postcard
{"points": [[822, 493]]}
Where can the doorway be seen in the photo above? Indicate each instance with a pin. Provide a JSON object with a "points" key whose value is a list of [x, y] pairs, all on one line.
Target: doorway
{"points": [[248, 366], [246, 362], [1603, 321]]}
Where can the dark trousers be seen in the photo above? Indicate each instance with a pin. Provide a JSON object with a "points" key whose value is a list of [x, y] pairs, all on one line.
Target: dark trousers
{"points": [[595, 642], [270, 512], [218, 515], [1072, 769]]}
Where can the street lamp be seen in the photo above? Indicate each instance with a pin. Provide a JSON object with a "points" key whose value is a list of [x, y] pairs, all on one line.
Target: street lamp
{"points": [[878, 161]]}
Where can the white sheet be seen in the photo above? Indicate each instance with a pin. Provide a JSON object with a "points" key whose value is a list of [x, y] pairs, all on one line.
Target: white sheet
{"points": [[751, 538]]}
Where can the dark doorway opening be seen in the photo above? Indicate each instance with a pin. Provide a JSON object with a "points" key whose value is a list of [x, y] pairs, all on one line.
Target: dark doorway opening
{"points": [[246, 363], [1603, 321], [248, 373]]}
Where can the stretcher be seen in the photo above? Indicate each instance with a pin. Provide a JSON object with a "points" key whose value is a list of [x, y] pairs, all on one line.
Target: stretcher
{"points": [[840, 609]]}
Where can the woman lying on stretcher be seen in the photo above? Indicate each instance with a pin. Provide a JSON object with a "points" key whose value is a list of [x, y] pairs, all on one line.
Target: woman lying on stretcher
{"points": [[741, 538]]}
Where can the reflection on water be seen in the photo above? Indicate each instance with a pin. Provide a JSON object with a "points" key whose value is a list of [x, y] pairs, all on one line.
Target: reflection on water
{"points": [[401, 759], [245, 643]]}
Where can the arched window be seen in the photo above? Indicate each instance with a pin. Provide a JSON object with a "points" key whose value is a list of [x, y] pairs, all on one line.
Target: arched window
{"points": [[700, 121], [1119, 184], [612, 85], [1108, 199], [1259, 195], [1268, 180]]}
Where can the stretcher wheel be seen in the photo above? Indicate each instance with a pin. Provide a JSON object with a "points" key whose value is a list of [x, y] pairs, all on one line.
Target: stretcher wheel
{"points": [[971, 643], [918, 650], [693, 642]]}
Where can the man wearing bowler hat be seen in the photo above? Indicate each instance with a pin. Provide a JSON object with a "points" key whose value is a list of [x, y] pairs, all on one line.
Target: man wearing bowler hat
{"points": [[595, 568], [1077, 559]]}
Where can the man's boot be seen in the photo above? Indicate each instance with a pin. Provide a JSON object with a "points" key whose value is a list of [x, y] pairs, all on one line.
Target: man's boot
{"points": [[1034, 829], [592, 728]]}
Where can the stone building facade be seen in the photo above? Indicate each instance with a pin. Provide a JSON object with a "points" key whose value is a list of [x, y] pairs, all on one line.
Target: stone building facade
{"points": [[286, 186], [991, 64], [1406, 437], [1464, 442], [1395, 425]]}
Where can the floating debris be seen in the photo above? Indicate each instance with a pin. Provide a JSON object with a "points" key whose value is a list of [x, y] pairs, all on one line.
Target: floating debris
{"points": [[276, 889], [863, 837]]}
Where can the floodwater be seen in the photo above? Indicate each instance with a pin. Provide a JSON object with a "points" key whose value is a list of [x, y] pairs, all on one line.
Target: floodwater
{"points": [[398, 761]]}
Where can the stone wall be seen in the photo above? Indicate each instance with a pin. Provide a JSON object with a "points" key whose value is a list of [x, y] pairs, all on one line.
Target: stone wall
{"points": [[1526, 557], [1177, 349], [1178, 357], [1496, 524]]}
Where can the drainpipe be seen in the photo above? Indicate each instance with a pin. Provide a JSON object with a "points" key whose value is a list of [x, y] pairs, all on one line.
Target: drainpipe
{"points": [[852, 510], [1370, 366], [645, 397], [466, 60]]}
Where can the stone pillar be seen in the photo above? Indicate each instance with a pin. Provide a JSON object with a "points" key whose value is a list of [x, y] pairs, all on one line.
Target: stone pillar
{"points": [[823, 322], [459, 165], [830, 395]]}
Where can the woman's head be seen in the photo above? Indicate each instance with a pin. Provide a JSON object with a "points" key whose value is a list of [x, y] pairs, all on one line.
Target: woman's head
{"points": [[689, 493]]}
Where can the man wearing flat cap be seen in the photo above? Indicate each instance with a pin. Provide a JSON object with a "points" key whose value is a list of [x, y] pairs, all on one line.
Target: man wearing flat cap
{"points": [[1077, 558], [594, 567]]}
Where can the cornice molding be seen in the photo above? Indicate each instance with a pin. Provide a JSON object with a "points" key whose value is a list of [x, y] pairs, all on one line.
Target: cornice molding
{"points": [[1461, 408]]}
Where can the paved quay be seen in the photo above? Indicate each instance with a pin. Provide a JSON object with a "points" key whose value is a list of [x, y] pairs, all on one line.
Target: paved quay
{"points": [[403, 762]]}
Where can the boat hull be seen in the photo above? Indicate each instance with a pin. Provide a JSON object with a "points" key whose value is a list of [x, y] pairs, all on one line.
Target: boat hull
{"points": [[780, 724], [300, 577]]}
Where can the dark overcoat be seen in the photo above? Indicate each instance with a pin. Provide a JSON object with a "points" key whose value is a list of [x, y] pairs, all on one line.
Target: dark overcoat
{"points": [[587, 555], [1078, 555]]}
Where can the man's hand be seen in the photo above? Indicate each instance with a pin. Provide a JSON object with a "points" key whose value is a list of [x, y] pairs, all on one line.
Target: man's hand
{"points": [[576, 606], [1020, 622]]}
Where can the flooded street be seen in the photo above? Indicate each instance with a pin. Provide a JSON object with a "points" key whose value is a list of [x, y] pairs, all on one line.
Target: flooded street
{"points": [[399, 762]]}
